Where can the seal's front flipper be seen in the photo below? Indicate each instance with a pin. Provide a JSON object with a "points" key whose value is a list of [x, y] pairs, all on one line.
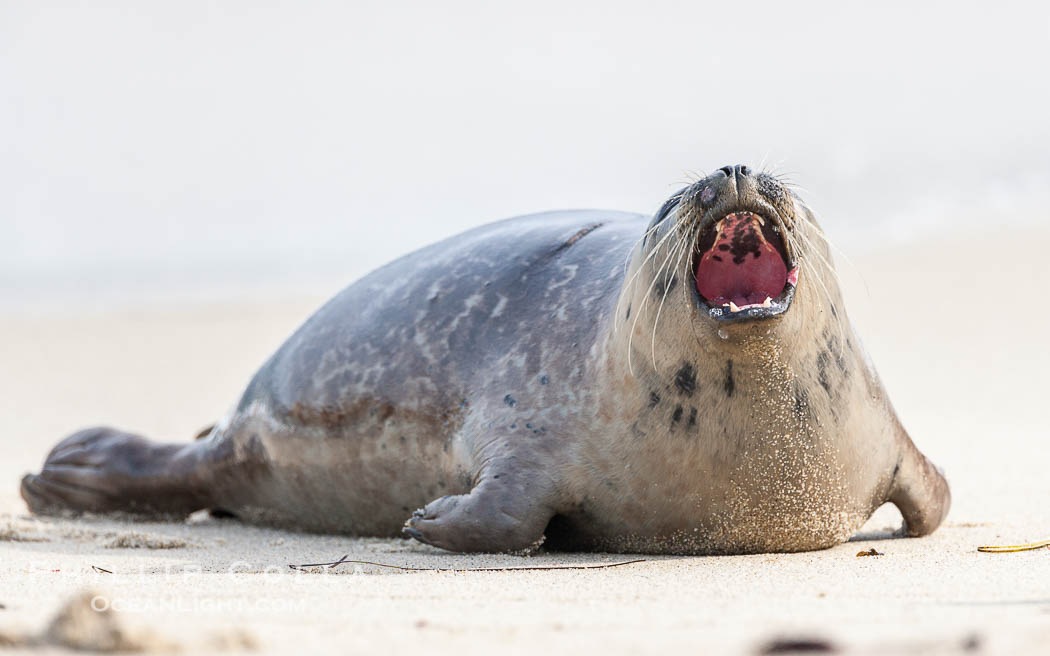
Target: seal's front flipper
{"points": [[506, 512], [919, 491], [101, 470]]}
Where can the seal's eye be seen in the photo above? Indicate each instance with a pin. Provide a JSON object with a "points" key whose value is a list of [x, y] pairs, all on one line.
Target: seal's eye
{"points": [[743, 263]]}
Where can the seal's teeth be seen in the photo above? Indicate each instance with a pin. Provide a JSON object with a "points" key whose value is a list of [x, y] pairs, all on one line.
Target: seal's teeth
{"points": [[733, 307], [768, 302]]}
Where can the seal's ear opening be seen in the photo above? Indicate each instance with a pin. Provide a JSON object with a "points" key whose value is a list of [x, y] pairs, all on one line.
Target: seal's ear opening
{"points": [[742, 262]]}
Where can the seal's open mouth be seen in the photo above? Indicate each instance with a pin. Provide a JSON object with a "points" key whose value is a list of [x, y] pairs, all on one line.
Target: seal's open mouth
{"points": [[742, 268]]}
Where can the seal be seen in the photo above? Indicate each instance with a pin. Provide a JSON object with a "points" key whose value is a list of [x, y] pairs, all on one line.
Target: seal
{"points": [[687, 383]]}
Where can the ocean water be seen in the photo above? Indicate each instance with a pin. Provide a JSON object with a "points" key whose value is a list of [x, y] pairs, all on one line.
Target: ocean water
{"points": [[151, 151]]}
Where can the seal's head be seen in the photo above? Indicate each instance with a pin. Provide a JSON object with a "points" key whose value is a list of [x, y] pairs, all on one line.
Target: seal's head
{"points": [[739, 225], [739, 240]]}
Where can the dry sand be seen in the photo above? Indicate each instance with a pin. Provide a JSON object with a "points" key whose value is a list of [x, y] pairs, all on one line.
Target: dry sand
{"points": [[961, 348]]}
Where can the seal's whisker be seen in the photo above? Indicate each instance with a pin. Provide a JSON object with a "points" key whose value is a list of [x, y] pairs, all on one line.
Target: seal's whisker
{"points": [[811, 249], [630, 283], [827, 293], [645, 302], [773, 169], [645, 235], [645, 297], [694, 176], [828, 267], [647, 258], [762, 162], [832, 245], [679, 248], [800, 248]]}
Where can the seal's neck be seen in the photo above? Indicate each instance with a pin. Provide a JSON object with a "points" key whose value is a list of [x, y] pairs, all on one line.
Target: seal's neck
{"points": [[666, 349]]}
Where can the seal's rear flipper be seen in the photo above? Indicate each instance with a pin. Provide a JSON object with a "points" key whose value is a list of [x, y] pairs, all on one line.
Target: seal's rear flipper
{"points": [[101, 470], [919, 491]]}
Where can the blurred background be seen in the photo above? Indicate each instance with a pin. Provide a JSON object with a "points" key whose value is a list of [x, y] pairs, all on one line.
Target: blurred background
{"points": [[206, 150]]}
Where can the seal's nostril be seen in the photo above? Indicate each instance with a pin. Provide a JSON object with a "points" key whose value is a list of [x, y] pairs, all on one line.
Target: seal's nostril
{"points": [[744, 170], [728, 170]]}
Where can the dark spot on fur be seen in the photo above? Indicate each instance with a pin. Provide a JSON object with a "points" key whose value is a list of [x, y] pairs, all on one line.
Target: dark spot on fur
{"points": [[798, 646], [509, 400], [801, 401], [663, 286], [685, 379], [692, 416], [833, 312], [513, 426], [729, 384], [580, 234], [204, 432], [654, 398], [840, 360], [544, 380], [677, 416], [822, 371], [628, 315], [336, 416], [723, 247]]}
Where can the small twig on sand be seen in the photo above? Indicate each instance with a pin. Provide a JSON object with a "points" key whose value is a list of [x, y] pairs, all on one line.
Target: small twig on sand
{"points": [[100, 570], [344, 561], [1015, 547]]}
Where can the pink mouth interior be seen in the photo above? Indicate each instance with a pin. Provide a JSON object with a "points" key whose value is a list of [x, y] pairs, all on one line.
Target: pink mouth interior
{"points": [[741, 267]]}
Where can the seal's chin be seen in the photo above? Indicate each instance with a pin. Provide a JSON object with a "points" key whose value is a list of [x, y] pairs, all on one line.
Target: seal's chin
{"points": [[742, 268]]}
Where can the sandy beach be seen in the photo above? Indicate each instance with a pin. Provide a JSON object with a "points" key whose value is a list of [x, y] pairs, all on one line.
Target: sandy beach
{"points": [[961, 349]]}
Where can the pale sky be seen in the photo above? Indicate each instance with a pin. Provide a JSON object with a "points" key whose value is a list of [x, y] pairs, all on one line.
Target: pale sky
{"points": [[191, 142]]}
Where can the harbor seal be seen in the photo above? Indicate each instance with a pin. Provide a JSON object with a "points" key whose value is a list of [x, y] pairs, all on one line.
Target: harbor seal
{"points": [[686, 383]]}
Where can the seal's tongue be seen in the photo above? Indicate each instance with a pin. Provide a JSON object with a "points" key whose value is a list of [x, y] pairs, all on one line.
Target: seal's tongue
{"points": [[742, 267]]}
